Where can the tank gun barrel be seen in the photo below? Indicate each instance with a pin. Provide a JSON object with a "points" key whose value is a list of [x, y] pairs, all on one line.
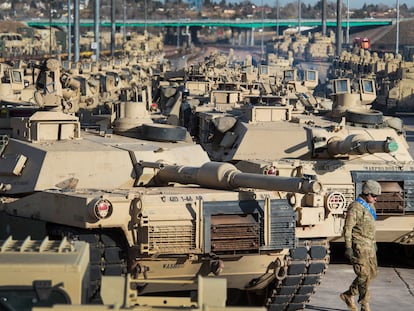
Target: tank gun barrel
{"points": [[219, 175], [354, 144]]}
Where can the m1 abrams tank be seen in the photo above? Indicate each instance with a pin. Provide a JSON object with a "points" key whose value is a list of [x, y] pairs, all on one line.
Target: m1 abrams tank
{"points": [[116, 193], [344, 147]]}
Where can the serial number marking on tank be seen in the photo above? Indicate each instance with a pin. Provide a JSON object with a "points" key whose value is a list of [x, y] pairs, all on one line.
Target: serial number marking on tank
{"points": [[187, 198], [172, 266], [379, 168]]}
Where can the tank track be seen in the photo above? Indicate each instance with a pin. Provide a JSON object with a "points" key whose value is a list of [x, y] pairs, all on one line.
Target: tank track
{"points": [[305, 267], [106, 256], [307, 263]]}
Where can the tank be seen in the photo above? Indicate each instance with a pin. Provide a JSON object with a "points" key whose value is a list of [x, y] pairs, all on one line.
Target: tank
{"points": [[14, 87], [392, 74], [54, 274], [155, 207], [320, 48], [343, 146], [42, 273]]}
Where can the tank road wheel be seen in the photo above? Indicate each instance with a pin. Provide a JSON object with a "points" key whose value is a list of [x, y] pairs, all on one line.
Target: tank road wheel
{"points": [[163, 132], [373, 117], [307, 263]]}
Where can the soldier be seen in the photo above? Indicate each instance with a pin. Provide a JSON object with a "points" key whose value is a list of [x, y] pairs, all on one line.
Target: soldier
{"points": [[359, 235]]}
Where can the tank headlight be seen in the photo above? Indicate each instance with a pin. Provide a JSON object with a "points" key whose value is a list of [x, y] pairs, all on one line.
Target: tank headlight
{"points": [[102, 209], [271, 170]]}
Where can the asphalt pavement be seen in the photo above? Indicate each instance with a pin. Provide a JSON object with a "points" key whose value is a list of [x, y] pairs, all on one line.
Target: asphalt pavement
{"points": [[392, 290]]}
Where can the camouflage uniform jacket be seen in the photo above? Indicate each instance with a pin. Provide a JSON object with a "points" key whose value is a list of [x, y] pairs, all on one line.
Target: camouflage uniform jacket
{"points": [[359, 226]]}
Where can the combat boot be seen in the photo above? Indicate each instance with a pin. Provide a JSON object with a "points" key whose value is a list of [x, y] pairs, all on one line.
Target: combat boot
{"points": [[349, 300], [365, 307]]}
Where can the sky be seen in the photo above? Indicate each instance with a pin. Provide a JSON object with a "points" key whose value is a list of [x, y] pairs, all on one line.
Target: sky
{"points": [[353, 4]]}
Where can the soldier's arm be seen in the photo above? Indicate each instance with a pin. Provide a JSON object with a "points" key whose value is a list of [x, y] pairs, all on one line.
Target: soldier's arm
{"points": [[350, 223]]}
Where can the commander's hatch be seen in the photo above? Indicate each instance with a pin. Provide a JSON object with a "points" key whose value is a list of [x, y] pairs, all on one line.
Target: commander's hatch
{"points": [[15, 78], [367, 91]]}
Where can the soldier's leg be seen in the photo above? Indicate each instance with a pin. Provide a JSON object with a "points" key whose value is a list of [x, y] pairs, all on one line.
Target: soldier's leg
{"points": [[372, 269], [363, 271]]}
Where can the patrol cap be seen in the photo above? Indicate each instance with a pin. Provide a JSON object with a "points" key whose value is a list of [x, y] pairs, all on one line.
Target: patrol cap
{"points": [[371, 186]]}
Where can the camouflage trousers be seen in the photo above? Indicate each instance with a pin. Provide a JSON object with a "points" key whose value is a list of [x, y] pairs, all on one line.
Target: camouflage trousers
{"points": [[366, 269]]}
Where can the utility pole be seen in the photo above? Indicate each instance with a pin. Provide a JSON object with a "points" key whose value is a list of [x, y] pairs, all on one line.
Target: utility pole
{"points": [[124, 21], [146, 14], [50, 28], [299, 16], [76, 34], [324, 18], [397, 39], [347, 21], [97, 22], [262, 34], [338, 27], [277, 17], [113, 26], [69, 32]]}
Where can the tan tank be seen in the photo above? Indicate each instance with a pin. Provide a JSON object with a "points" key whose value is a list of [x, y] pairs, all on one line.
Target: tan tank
{"points": [[126, 197], [43, 273], [320, 48], [14, 87], [11, 44], [400, 93], [54, 275], [392, 74], [343, 147]]}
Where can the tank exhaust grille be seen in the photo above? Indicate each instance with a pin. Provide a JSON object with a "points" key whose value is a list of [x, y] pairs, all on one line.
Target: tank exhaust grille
{"points": [[234, 233], [391, 200], [170, 239]]}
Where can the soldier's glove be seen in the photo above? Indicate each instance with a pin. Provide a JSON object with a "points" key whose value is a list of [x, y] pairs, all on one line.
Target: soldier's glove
{"points": [[349, 253]]}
